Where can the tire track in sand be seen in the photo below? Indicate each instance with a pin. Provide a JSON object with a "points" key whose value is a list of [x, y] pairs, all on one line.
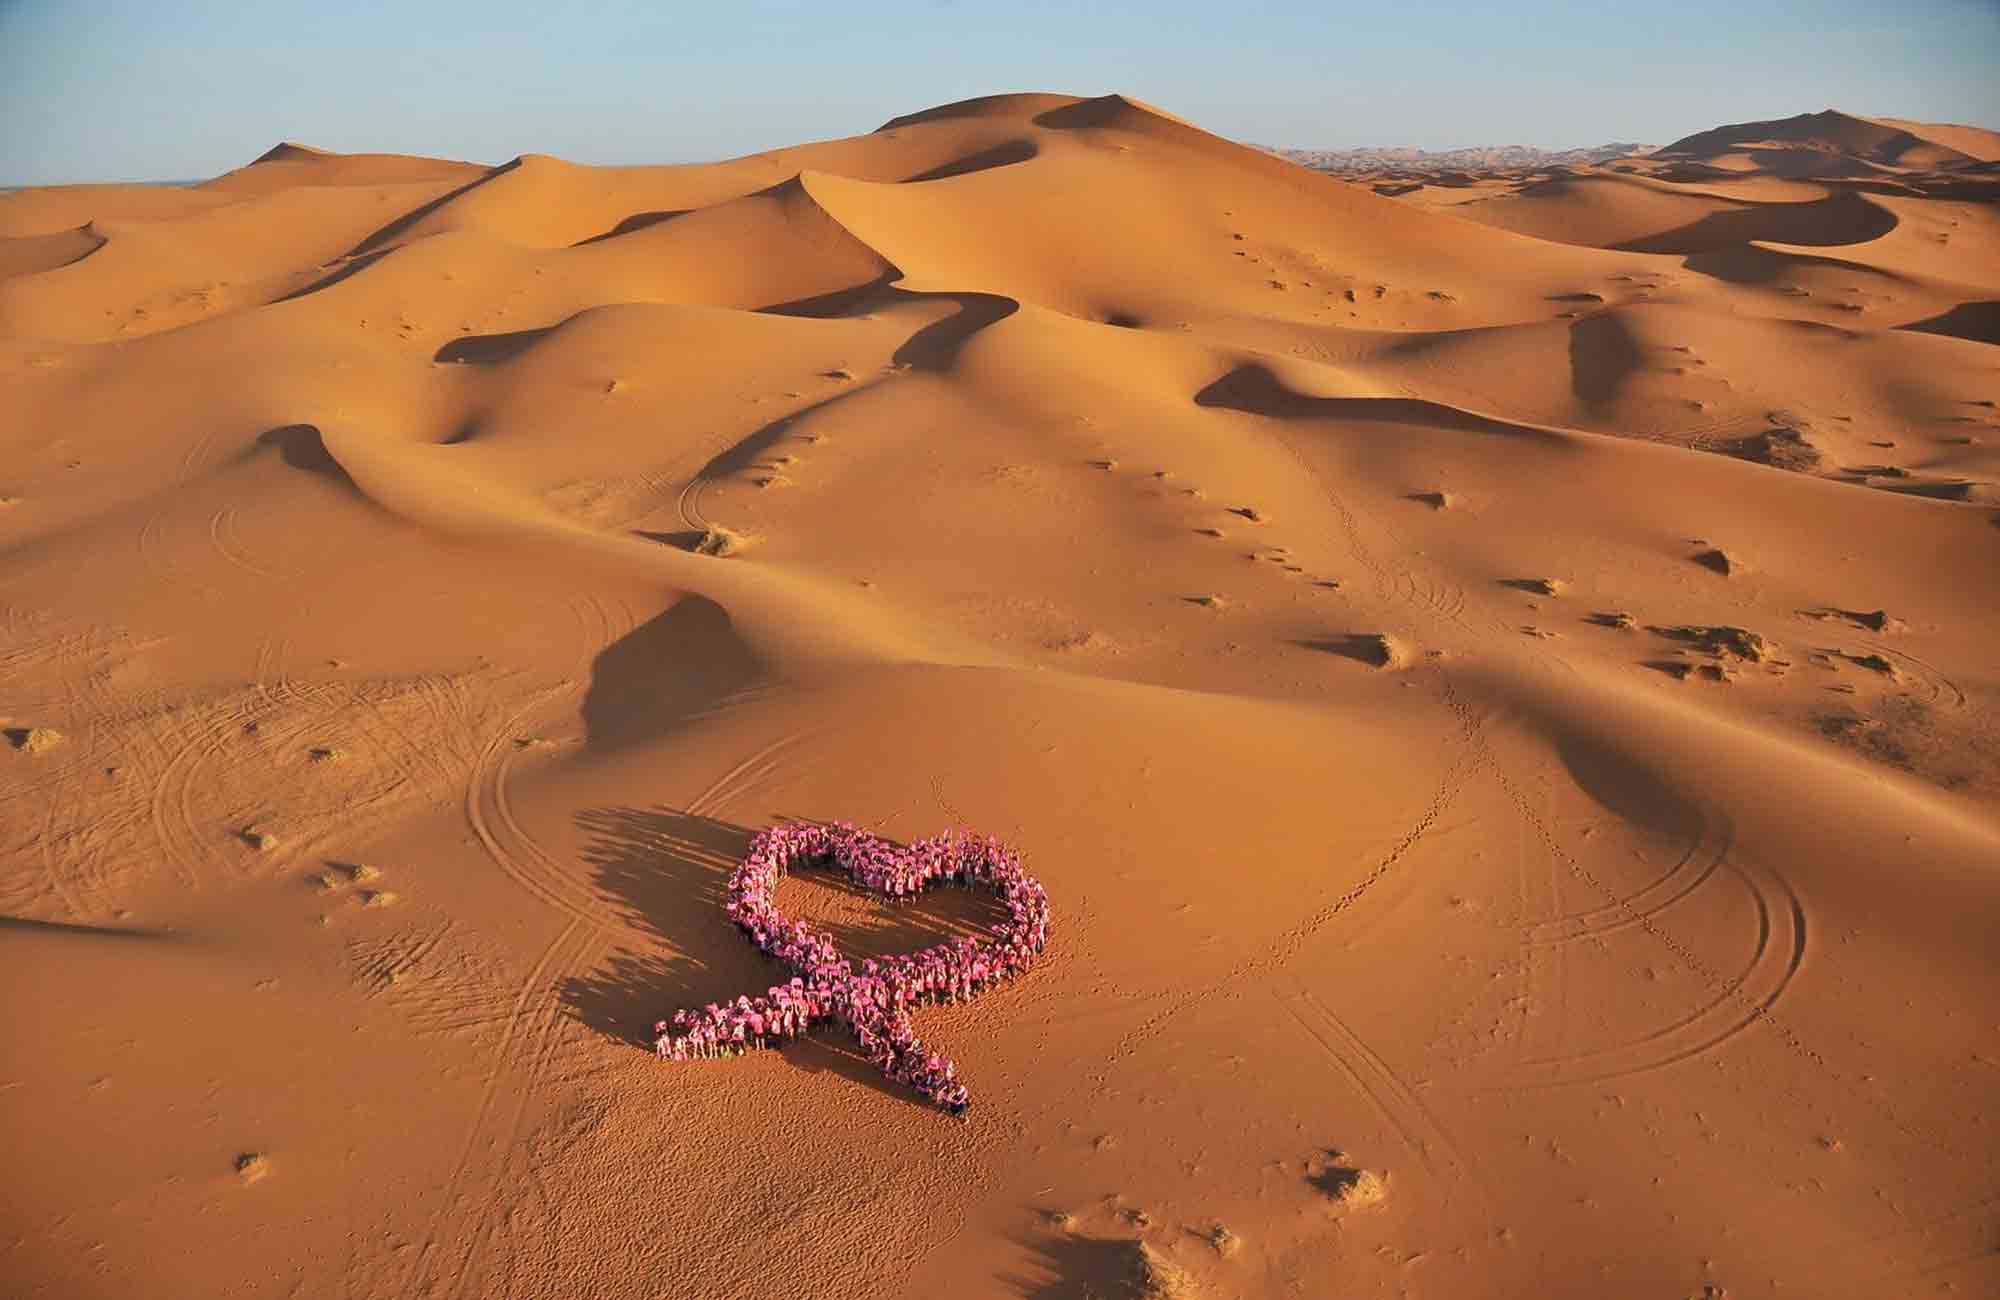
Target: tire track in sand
{"points": [[1739, 1003], [533, 1034], [522, 1024], [1707, 853], [222, 536], [490, 813], [1399, 1104], [576, 949], [1780, 950], [1743, 1000], [1287, 945], [689, 504]]}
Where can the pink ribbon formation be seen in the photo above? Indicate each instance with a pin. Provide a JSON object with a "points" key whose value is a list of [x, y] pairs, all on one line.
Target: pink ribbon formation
{"points": [[875, 997]]}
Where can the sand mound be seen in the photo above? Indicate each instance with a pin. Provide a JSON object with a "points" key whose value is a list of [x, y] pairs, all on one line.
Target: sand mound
{"points": [[34, 740], [1155, 1277]]}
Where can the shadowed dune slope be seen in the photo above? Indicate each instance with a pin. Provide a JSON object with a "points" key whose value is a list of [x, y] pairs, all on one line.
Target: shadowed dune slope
{"points": [[1887, 143], [1982, 143]]}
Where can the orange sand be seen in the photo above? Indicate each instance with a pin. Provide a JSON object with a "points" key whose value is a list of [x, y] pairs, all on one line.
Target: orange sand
{"points": [[1320, 588]]}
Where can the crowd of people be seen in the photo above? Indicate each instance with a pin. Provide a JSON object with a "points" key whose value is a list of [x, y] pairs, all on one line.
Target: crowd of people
{"points": [[873, 997]]}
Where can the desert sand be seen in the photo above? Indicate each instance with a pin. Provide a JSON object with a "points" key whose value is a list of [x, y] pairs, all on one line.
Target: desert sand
{"points": [[1498, 682]]}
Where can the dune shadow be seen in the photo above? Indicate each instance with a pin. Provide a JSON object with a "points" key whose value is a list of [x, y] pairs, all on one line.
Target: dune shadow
{"points": [[936, 345], [637, 221], [1935, 489], [1978, 322], [666, 872], [1254, 390], [1602, 355], [685, 539], [933, 347], [1844, 218], [1106, 1268], [28, 925], [1000, 155], [840, 302], [1630, 791], [1749, 264], [354, 264], [668, 668], [301, 447], [1084, 114], [1694, 173], [371, 250], [1363, 647], [1874, 620], [492, 349], [757, 447], [409, 219], [1811, 164], [1968, 184], [1336, 1181]]}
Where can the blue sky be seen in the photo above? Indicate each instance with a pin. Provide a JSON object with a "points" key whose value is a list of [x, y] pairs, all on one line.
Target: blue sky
{"points": [[122, 89]]}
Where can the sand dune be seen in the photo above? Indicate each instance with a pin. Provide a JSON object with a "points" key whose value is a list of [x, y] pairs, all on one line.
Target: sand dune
{"points": [[288, 165], [1498, 687], [1840, 138], [32, 254], [1972, 141]]}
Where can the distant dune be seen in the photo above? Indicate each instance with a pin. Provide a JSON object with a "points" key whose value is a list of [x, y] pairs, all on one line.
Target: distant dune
{"points": [[1835, 141], [1473, 159], [1496, 676]]}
